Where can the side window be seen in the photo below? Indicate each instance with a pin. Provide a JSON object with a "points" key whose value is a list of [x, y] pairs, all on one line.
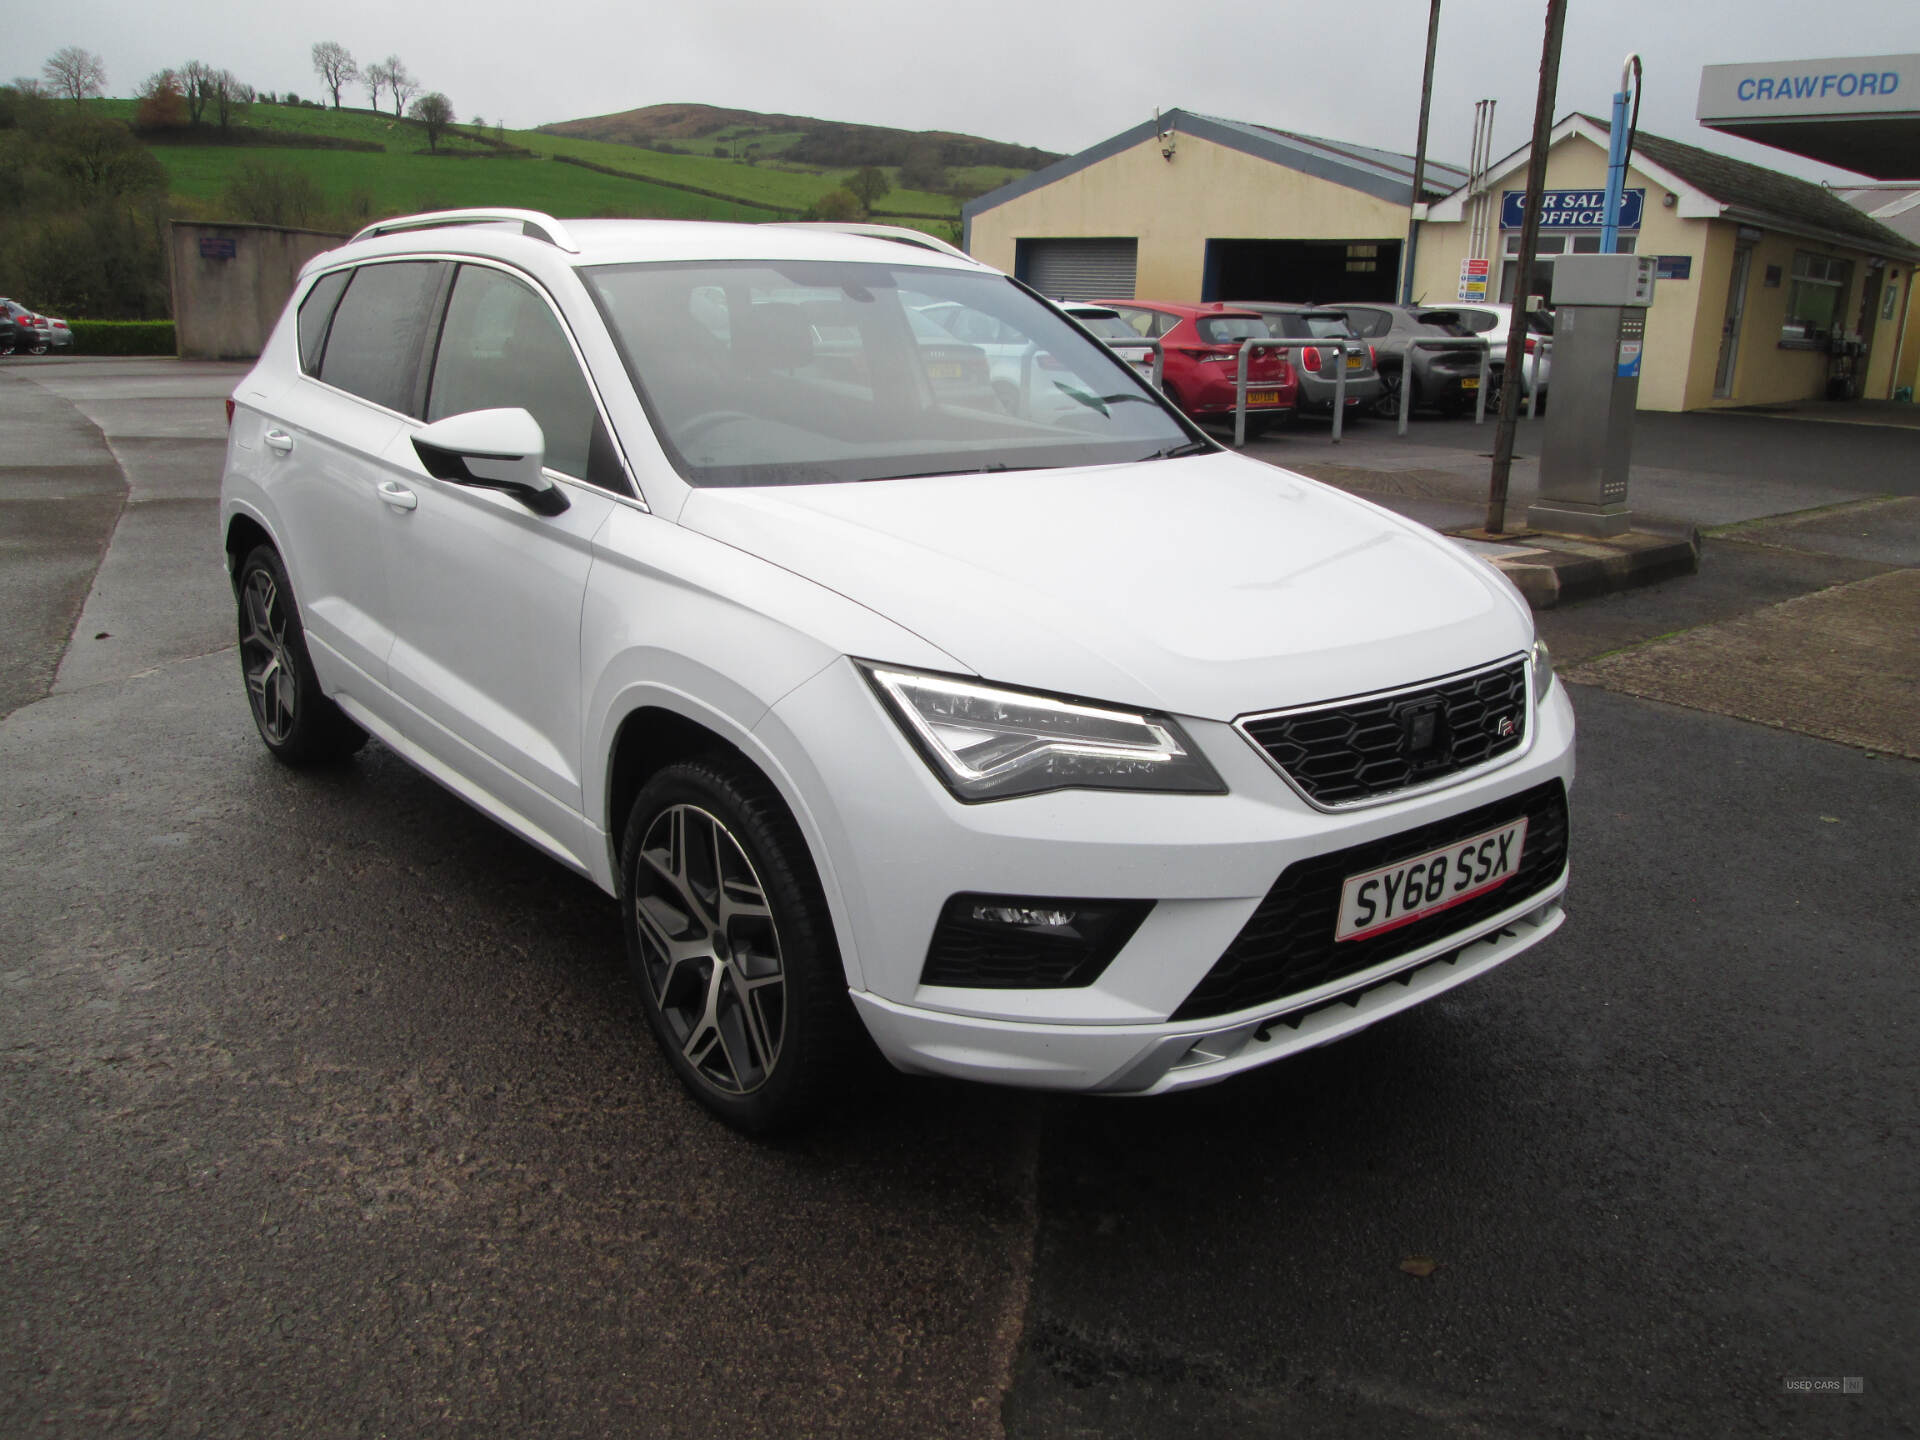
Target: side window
{"points": [[373, 348], [502, 346], [315, 311]]}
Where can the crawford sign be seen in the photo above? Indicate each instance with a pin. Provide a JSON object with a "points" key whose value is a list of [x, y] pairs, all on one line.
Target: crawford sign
{"points": [[1862, 86], [1570, 209]]}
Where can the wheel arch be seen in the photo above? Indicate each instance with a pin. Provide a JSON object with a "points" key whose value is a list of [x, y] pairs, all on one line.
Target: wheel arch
{"points": [[661, 728]]}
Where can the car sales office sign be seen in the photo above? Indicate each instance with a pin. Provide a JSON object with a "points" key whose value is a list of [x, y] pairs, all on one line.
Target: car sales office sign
{"points": [[1571, 209]]}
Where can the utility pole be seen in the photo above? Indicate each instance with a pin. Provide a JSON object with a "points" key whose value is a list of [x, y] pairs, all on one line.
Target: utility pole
{"points": [[1420, 158], [1529, 245]]}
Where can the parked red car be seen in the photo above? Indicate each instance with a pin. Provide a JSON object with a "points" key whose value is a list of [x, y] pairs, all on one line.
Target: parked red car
{"points": [[1201, 344]]}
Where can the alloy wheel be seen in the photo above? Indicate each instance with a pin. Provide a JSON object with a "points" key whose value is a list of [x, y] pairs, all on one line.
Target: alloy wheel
{"points": [[710, 949], [264, 659]]}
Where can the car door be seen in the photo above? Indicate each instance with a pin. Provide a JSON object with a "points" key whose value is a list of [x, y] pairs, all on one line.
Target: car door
{"points": [[487, 593], [326, 438]]}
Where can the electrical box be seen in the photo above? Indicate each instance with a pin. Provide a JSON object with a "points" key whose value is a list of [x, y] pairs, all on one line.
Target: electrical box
{"points": [[1604, 280], [1599, 334]]}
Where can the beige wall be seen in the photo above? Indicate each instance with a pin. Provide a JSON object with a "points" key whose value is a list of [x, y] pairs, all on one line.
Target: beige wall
{"points": [[225, 309], [1685, 323], [1671, 365], [1206, 191]]}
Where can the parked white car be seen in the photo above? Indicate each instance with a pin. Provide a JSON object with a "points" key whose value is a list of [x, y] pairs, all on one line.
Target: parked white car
{"points": [[1495, 321], [1068, 751]]}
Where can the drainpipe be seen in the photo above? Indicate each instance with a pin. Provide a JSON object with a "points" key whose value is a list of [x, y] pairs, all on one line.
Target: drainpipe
{"points": [[1619, 143]]}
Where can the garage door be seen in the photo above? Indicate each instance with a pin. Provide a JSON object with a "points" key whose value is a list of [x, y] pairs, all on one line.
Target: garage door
{"points": [[1078, 269]]}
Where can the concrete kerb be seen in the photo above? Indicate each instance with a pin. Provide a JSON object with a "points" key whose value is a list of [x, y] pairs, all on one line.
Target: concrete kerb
{"points": [[1552, 569]]}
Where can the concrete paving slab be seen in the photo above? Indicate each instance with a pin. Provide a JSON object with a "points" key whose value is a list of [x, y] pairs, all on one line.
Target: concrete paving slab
{"points": [[161, 595], [159, 416], [171, 469], [1887, 531], [49, 551], [1838, 664]]}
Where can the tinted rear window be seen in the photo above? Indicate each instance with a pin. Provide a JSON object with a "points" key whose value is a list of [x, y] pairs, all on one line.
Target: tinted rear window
{"points": [[315, 311], [1328, 326], [1231, 329], [1370, 323], [373, 348], [1442, 322]]}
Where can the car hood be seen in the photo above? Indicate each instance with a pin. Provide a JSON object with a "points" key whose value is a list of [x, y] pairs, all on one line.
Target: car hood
{"points": [[1208, 586]]}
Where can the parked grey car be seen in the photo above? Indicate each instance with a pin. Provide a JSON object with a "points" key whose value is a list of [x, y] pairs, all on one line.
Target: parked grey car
{"points": [[1444, 380], [16, 328], [1318, 365]]}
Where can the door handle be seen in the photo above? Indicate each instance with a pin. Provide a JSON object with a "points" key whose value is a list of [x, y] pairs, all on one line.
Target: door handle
{"points": [[397, 495], [278, 440]]}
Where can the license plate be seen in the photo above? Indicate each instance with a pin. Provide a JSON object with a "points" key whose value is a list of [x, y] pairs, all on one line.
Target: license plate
{"points": [[944, 372], [1353, 362], [1470, 383], [1263, 397], [1408, 890]]}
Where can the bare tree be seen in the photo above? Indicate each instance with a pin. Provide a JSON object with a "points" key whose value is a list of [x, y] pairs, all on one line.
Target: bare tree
{"points": [[28, 85], [335, 67], [197, 84], [434, 111], [75, 73], [376, 77], [229, 95], [400, 83]]}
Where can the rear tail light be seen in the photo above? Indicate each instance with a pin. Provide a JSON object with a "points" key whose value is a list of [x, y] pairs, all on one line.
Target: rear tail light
{"points": [[1532, 345], [229, 412], [1310, 358], [1373, 357]]}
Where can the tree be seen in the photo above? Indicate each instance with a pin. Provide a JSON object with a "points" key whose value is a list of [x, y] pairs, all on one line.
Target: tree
{"points": [[28, 85], [870, 184], [197, 84], [841, 204], [400, 83], [923, 170], [335, 67], [434, 111], [227, 94], [163, 104], [75, 73], [375, 77], [102, 158]]}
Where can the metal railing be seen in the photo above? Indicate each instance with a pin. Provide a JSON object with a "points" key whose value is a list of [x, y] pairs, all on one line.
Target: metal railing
{"points": [[1247, 347], [1542, 355], [1480, 385]]}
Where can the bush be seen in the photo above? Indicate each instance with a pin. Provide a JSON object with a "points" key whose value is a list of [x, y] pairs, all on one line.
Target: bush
{"points": [[122, 337]]}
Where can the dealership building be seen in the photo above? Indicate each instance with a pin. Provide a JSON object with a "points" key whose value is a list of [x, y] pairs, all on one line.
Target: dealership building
{"points": [[1772, 289]]}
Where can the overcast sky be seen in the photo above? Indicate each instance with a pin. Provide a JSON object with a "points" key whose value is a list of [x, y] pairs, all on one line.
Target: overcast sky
{"points": [[1061, 74]]}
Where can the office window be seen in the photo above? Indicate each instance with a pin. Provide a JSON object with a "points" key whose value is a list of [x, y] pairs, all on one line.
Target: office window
{"points": [[1816, 299]]}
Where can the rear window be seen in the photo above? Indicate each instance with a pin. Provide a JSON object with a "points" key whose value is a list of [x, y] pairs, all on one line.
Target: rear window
{"points": [[1472, 322], [373, 347], [1231, 329], [1539, 322], [1370, 323], [315, 311], [1442, 322], [1107, 325], [1326, 326]]}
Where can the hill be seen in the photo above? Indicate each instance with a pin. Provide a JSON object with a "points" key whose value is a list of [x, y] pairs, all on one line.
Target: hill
{"points": [[794, 139]]}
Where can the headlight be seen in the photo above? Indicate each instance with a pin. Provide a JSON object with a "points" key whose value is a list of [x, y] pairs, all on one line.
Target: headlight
{"points": [[1542, 670], [988, 744]]}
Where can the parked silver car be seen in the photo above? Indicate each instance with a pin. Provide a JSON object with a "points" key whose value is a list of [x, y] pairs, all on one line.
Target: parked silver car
{"points": [[1319, 365]]}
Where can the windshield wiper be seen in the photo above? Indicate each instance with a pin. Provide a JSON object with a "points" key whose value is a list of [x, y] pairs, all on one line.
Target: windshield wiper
{"points": [[992, 467], [1174, 452]]}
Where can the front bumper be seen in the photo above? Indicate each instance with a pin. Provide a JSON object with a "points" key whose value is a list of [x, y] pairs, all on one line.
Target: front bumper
{"points": [[894, 846]]}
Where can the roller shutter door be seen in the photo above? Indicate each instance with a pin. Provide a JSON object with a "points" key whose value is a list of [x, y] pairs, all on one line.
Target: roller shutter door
{"points": [[1079, 269]]}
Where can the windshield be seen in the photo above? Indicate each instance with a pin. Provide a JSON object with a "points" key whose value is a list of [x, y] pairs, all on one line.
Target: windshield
{"points": [[768, 372]]}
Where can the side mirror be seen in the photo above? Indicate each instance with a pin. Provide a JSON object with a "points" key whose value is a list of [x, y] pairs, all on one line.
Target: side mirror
{"points": [[494, 450]]}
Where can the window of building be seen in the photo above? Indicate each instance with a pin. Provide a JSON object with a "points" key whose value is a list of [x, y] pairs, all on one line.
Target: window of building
{"points": [[1816, 299], [1550, 245]]}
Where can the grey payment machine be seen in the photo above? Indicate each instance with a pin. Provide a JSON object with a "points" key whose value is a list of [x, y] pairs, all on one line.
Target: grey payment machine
{"points": [[1599, 329]]}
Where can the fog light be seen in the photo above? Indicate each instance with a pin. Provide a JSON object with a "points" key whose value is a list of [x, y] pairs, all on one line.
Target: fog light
{"points": [[1028, 942]]}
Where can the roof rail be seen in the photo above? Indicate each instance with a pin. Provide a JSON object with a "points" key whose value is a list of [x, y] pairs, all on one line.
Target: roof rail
{"points": [[900, 234], [532, 222]]}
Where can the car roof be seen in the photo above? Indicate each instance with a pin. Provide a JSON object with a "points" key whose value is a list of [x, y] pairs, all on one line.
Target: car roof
{"points": [[1185, 312], [611, 242]]}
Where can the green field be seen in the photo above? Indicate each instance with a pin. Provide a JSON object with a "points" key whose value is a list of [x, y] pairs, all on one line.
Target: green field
{"points": [[401, 180]]}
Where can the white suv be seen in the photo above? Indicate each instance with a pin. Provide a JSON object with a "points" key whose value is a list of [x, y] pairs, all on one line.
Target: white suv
{"points": [[1060, 748]]}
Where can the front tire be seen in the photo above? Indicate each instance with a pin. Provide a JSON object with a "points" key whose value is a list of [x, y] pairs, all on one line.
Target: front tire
{"points": [[729, 938], [296, 721]]}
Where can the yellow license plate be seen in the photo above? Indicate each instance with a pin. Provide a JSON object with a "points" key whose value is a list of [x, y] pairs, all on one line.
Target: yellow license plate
{"points": [[944, 372], [1353, 362], [1472, 384], [1263, 397]]}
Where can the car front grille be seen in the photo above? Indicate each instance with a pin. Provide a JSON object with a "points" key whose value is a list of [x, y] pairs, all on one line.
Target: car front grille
{"points": [[1287, 946], [1355, 751]]}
